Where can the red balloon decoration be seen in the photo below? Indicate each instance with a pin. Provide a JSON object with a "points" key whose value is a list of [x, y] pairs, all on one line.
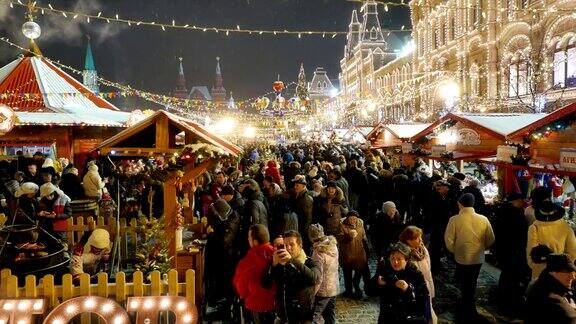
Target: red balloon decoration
{"points": [[278, 86]]}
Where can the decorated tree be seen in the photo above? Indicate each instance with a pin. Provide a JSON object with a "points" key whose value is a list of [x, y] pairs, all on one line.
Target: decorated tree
{"points": [[152, 247], [302, 86]]}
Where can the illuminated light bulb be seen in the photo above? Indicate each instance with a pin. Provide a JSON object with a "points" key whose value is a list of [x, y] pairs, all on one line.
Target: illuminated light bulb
{"points": [[2, 321], [148, 304], [38, 305], [57, 321], [8, 306], [22, 322], [187, 318], [118, 320], [134, 304], [90, 303], [23, 305], [107, 307], [70, 309], [181, 306], [165, 303]]}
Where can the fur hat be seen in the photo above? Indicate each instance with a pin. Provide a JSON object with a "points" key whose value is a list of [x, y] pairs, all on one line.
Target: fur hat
{"points": [[299, 179], [100, 239], [313, 172], [547, 211], [26, 188]]}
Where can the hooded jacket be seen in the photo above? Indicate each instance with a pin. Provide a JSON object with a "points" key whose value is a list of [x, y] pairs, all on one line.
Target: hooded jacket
{"points": [[351, 243], [248, 279], [556, 235], [325, 252], [92, 182], [272, 171]]}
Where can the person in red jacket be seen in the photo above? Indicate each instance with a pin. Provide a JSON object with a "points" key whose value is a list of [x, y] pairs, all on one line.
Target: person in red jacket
{"points": [[272, 170], [247, 280]]}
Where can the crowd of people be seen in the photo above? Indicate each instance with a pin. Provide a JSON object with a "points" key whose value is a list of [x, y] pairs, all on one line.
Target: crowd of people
{"points": [[286, 223], [308, 210]]}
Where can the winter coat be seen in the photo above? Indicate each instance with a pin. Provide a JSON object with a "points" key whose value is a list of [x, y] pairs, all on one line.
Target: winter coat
{"points": [[556, 235], [549, 302], [330, 211], [343, 185], [385, 230], [468, 235], [296, 286], [396, 306], [352, 244], [248, 279], [72, 186], [302, 205], [281, 217], [92, 183], [60, 205], [273, 171], [511, 229], [255, 211], [424, 266], [357, 180], [325, 252]]}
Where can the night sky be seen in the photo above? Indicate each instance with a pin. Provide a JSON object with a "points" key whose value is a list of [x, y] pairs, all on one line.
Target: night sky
{"points": [[146, 58]]}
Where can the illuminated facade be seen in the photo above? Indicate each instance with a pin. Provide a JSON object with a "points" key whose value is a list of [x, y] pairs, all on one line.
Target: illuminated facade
{"points": [[503, 55]]}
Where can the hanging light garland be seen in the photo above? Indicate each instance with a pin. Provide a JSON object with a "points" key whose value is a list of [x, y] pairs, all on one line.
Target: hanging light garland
{"points": [[72, 15]]}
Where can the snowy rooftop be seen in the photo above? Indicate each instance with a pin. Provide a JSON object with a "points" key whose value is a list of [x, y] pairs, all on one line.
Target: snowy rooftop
{"points": [[501, 123], [95, 117], [406, 130]]}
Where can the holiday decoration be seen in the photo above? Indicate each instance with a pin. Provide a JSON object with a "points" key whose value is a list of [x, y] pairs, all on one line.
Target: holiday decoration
{"points": [[135, 117], [302, 90], [152, 248], [7, 119]]}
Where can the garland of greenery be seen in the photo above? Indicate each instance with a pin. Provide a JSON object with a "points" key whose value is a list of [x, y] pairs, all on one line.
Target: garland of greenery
{"points": [[556, 126]]}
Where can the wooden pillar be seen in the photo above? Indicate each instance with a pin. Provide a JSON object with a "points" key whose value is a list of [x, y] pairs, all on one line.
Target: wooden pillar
{"points": [[170, 203], [461, 166], [162, 133]]}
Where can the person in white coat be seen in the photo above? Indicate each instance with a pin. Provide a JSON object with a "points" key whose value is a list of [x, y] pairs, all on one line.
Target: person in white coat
{"points": [[549, 233], [468, 235], [93, 183]]}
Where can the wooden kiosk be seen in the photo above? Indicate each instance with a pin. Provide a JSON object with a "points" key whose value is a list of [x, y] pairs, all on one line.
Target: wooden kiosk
{"points": [[160, 134]]}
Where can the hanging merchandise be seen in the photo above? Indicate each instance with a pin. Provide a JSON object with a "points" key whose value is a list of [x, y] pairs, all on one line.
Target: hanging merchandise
{"points": [[279, 102]]}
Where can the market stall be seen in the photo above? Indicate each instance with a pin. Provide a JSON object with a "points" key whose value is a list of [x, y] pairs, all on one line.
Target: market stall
{"points": [[45, 109], [185, 158]]}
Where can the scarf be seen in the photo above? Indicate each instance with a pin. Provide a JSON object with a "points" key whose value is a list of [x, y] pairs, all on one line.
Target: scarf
{"points": [[301, 258], [417, 254]]}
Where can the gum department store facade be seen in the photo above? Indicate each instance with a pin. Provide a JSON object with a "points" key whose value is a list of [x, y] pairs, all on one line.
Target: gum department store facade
{"points": [[503, 55]]}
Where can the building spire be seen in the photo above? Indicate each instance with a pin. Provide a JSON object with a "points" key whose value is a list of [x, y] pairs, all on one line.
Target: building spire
{"points": [[354, 17], [218, 91], [89, 60], [90, 75], [180, 91]]}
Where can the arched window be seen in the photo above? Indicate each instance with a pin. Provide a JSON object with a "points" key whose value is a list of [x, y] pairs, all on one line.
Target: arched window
{"points": [[565, 65], [518, 78], [474, 81], [373, 34], [441, 32]]}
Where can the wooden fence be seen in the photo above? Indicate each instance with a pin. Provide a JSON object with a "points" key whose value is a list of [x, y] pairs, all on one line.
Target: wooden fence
{"points": [[119, 290]]}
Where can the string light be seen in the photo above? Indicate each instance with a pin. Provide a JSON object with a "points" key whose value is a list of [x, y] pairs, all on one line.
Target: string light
{"points": [[116, 18]]}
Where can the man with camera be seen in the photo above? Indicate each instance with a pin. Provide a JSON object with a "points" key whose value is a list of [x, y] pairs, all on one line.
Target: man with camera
{"points": [[296, 276]]}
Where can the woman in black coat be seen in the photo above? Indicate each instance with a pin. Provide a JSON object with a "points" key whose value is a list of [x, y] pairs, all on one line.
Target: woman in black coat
{"points": [[404, 297]]}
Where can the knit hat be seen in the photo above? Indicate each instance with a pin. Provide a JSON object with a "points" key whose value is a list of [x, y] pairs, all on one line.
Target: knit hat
{"points": [[388, 205], [100, 239], [560, 263], [26, 188], [547, 211], [48, 163], [299, 179], [227, 190], [460, 176], [47, 189], [221, 208], [467, 200], [400, 247], [442, 183], [74, 171], [315, 232]]}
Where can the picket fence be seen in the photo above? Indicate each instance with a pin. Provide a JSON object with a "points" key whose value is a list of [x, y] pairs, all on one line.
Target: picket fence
{"points": [[77, 226], [119, 290]]}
